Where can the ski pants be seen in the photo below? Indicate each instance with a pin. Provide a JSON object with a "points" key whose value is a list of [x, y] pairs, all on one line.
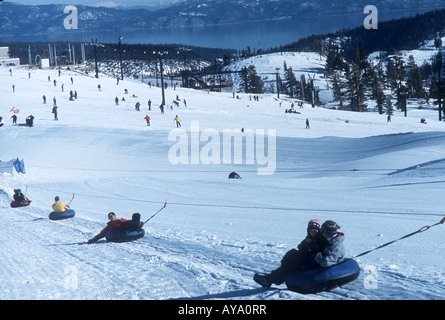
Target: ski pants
{"points": [[292, 260]]}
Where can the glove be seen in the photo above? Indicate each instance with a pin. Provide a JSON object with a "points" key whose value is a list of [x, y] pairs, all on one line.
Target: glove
{"points": [[93, 240]]}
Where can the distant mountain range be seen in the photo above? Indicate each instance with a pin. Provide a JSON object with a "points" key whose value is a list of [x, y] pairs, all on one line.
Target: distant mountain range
{"points": [[19, 19]]}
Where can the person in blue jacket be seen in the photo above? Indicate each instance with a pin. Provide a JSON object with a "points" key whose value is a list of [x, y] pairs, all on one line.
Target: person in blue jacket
{"points": [[294, 259]]}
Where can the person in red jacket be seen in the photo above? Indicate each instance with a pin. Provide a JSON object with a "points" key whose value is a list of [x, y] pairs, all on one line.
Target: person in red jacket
{"points": [[114, 223], [121, 223]]}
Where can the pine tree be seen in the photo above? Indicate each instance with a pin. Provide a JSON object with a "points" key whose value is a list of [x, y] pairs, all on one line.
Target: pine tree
{"points": [[389, 108], [355, 86], [250, 81], [391, 74], [414, 82], [291, 83], [339, 88]]}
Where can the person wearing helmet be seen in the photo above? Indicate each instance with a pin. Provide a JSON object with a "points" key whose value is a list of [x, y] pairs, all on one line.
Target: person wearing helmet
{"points": [[294, 259], [334, 251], [19, 197]]}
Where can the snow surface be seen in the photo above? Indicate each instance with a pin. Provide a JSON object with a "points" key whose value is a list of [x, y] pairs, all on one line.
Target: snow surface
{"points": [[378, 180]]}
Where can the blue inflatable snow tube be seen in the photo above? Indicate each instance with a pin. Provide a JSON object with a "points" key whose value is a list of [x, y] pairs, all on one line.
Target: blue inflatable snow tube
{"points": [[323, 279], [119, 235], [62, 215]]}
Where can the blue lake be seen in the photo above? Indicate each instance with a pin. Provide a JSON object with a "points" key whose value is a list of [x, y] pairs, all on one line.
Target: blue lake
{"points": [[257, 34]]}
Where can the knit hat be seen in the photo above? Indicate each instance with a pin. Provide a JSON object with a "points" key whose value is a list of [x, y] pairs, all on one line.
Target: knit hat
{"points": [[314, 224], [330, 228]]}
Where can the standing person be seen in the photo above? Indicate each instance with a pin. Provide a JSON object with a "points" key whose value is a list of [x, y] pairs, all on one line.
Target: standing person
{"points": [[178, 121], [14, 119], [115, 223], [44, 99], [59, 206], [116, 101], [334, 251], [294, 259], [149, 104], [147, 118], [185, 103], [55, 112], [307, 124], [137, 106]]}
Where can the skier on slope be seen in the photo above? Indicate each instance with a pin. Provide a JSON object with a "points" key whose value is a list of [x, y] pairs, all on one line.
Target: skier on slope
{"points": [[114, 223], [178, 121], [147, 118], [294, 259]]}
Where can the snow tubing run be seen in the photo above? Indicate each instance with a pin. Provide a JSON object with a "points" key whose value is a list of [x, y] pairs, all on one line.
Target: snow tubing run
{"points": [[62, 215], [117, 235], [323, 279], [15, 204]]}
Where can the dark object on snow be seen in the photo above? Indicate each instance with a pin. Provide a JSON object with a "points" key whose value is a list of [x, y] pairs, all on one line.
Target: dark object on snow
{"points": [[129, 230], [30, 121], [322, 279], [15, 204], [120, 235], [62, 215], [234, 175]]}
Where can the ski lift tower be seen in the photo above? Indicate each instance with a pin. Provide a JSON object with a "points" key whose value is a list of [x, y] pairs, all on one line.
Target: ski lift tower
{"points": [[95, 45], [161, 67]]}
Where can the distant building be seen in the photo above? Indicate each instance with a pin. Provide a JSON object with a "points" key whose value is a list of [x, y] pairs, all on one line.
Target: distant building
{"points": [[5, 60]]}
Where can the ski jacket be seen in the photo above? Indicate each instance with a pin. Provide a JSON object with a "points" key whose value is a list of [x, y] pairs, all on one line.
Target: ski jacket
{"points": [[333, 253], [110, 225], [312, 245], [19, 197], [59, 207]]}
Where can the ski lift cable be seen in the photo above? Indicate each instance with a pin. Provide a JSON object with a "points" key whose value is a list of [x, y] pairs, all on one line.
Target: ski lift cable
{"points": [[254, 207]]}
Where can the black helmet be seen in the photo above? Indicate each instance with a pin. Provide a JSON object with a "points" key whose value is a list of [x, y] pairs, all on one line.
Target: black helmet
{"points": [[330, 228]]}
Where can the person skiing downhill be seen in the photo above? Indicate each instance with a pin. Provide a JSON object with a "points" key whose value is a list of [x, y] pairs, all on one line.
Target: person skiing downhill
{"points": [[147, 118], [178, 121], [294, 259]]}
